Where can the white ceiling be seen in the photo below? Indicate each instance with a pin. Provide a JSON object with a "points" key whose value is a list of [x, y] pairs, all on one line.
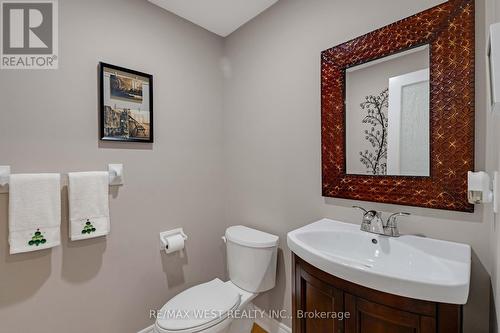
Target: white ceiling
{"points": [[221, 17]]}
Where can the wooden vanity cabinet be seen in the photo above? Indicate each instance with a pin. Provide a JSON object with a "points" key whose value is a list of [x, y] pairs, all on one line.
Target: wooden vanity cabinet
{"points": [[318, 298]]}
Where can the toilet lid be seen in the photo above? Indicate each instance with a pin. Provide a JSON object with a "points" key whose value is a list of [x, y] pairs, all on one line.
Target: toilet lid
{"points": [[199, 307]]}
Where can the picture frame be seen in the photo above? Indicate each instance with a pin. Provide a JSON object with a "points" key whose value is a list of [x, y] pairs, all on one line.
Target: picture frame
{"points": [[451, 114], [126, 104]]}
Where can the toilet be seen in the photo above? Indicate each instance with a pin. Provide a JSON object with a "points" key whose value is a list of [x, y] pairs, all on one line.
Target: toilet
{"points": [[211, 307]]}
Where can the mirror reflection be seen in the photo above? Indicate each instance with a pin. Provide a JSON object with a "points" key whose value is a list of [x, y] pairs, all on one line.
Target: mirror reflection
{"points": [[387, 115]]}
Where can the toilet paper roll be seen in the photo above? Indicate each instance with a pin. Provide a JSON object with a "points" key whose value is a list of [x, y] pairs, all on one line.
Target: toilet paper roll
{"points": [[174, 243]]}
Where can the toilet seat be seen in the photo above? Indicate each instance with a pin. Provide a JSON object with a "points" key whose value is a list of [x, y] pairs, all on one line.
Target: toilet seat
{"points": [[198, 308]]}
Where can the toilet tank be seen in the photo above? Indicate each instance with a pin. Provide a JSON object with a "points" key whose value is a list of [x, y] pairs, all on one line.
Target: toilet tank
{"points": [[251, 258]]}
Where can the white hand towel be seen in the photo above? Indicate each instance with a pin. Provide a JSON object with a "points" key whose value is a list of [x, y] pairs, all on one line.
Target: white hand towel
{"points": [[88, 205], [34, 212]]}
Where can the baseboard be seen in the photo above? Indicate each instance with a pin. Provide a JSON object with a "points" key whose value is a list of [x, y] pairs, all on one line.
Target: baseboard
{"points": [[147, 329], [269, 324]]}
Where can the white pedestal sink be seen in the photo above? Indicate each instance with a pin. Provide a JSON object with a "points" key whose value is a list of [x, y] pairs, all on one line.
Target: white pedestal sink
{"points": [[410, 266]]}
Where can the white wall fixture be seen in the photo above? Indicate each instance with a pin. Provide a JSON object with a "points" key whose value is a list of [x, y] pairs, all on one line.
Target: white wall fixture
{"points": [[115, 174], [172, 240], [4, 175], [494, 57], [481, 189], [496, 186]]}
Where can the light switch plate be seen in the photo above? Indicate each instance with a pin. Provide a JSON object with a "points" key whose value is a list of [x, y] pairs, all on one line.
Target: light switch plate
{"points": [[496, 187], [4, 178]]}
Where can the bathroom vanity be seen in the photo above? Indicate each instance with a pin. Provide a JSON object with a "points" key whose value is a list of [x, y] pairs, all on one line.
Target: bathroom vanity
{"points": [[366, 310], [348, 280]]}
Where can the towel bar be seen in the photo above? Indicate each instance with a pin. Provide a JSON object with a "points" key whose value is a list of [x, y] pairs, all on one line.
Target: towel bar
{"points": [[115, 176]]}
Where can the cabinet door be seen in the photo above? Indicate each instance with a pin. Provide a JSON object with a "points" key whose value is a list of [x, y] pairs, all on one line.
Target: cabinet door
{"points": [[369, 317], [316, 305]]}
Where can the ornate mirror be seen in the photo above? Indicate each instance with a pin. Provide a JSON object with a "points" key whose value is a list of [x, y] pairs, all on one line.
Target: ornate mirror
{"points": [[398, 111]]}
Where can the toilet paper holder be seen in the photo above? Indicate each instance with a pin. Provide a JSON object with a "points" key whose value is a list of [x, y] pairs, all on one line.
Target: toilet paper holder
{"points": [[165, 234]]}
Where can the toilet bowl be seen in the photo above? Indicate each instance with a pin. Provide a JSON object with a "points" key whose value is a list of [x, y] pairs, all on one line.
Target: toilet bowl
{"points": [[211, 307]]}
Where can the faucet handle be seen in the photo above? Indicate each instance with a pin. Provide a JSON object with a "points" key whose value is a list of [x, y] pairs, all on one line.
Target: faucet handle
{"points": [[391, 225], [368, 215], [360, 208], [393, 217]]}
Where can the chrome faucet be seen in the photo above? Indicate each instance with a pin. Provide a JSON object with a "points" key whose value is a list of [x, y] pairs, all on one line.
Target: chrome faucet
{"points": [[372, 222]]}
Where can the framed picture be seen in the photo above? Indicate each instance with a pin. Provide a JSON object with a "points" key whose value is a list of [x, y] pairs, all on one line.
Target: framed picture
{"points": [[126, 104]]}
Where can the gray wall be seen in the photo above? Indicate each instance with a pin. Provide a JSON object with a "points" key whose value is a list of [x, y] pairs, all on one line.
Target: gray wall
{"points": [[249, 156], [48, 123], [272, 132]]}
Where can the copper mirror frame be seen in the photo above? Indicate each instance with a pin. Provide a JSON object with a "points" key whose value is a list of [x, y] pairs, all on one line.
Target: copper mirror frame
{"points": [[448, 29]]}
